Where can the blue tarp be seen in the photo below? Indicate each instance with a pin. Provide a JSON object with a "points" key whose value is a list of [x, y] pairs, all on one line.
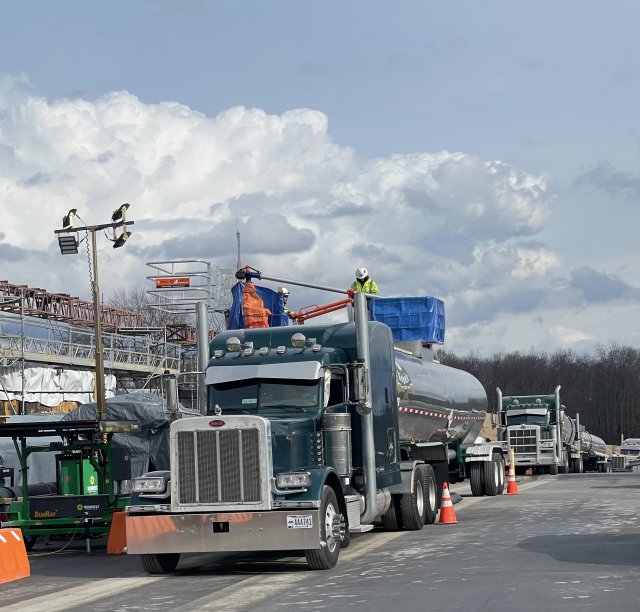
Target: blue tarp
{"points": [[411, 318], [272, 300]]}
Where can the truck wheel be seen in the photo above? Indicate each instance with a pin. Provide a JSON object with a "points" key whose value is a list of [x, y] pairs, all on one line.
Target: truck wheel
{"points": [[475, 475], [391, 519], [553, 470], [326, 557], [412, 506], [564, 468], [491, 475], [578, 466], [430, 494], [503, 476], [29, 541], [163, 563]]}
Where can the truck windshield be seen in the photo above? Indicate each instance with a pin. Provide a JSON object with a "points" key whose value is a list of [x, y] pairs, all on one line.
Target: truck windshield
{"points": [[256, 396], [527, 419]]}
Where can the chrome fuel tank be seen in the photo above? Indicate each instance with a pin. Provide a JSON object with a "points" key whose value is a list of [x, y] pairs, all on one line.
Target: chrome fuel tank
{"points": [[437, 403]]}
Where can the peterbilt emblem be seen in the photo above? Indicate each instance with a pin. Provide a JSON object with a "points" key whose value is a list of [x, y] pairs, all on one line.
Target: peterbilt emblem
{"points": [[216, 423]]}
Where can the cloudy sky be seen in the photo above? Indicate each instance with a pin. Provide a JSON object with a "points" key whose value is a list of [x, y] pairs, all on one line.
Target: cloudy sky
{"points": [[482, 152]]}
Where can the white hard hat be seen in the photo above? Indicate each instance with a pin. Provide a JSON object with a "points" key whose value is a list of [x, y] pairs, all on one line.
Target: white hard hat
{"points": [[283, 290], [361, 273]]}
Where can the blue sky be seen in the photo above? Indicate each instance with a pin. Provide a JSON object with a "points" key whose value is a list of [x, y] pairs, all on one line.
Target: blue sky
{"points": [[484, 152]]}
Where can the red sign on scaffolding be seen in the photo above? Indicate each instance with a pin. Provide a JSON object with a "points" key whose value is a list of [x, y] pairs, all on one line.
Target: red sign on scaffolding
{"points": [[173, 281]]}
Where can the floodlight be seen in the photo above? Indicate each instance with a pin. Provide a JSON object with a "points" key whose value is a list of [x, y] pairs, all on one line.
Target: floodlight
{"points": [[68, 244], [68, 219], [121, 239], [119, 213]]}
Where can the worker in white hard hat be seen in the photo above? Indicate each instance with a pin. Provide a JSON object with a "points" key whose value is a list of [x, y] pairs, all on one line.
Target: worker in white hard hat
{"points": [[364, 283], [285, 296]]}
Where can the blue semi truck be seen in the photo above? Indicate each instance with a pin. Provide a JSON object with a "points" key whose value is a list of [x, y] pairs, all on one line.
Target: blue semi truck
{"points": [[311, 434]]}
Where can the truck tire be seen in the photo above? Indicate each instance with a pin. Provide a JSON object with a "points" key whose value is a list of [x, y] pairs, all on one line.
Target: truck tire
{"points": [[578, 466], [503, 476], [492, 475], [565, 467], [430, 494], [412, 505], [475, 475], [160, 563], [391, 519], [29, 541], [553, 469], [326, 557]]}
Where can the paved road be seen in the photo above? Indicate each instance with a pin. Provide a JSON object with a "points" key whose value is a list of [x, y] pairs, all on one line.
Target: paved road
{"points": [[565, 543]]}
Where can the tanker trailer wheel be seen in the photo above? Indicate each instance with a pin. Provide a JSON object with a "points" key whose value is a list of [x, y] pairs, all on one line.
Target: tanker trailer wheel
{"points": [[412, 505], [163, 563], [326, 557], [475, 475], [391, 519], [430, 494], [492, 475], [578, 466]]}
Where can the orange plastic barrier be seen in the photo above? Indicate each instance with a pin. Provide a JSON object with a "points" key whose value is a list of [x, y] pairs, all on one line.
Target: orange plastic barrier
{"points": [[117, 542], [14, 563]]}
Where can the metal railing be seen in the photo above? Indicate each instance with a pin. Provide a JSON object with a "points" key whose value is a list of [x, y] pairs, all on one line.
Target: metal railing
{"points": [[52, 342]]}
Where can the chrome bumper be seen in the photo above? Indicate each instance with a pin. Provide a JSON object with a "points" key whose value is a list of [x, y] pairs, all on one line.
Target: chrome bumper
{"points": [[220, 532]]}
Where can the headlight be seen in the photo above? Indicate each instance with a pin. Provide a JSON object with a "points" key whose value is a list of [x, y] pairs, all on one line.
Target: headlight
{"points": [[294, 480], [149, 485]]}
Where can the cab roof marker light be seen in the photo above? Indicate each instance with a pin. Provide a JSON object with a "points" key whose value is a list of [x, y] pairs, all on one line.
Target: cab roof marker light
{"points": [[298, 340], [281, 350], [218, 354], [233, 344], [248, 349], [264, 350], [316, 348]]}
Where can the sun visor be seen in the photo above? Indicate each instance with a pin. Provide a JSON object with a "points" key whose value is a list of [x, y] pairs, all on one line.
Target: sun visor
{"points": [[306, 370]]}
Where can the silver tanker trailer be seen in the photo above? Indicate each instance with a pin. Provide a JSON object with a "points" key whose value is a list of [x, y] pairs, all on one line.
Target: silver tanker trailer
{"points": [[311, 434]]}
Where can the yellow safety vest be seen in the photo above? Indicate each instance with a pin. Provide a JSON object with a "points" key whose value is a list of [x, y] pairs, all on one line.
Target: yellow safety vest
{"points": [[368, 286]]}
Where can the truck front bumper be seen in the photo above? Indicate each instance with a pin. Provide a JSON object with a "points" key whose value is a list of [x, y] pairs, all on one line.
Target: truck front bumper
{"points": [[222, 532], [534, 461]]}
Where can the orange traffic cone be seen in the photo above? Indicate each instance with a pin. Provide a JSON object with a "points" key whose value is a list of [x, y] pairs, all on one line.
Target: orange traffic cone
{"points": [[512, 486], [447, 513]]}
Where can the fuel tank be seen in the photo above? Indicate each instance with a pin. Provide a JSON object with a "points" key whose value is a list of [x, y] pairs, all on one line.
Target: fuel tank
{"points": [[437, 403]]}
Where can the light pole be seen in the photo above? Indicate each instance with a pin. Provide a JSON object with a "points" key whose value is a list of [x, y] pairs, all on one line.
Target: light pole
{"points": [[68, 243]]}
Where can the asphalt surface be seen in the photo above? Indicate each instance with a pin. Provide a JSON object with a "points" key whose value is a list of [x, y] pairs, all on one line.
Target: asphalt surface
{"points": [[564, 543]]}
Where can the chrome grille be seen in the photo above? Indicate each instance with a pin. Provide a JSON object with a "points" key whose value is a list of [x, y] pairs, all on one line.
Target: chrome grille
{"points": [[523, 441], [219, 466]]}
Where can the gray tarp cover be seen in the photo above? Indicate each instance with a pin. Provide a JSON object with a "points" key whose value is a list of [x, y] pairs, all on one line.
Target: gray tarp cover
{"points": [[149, 446]]}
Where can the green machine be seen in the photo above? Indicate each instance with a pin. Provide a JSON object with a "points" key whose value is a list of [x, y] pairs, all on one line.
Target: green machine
{"points": [[85, 495]]}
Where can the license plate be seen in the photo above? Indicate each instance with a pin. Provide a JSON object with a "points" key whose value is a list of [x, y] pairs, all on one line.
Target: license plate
{"points": [[299, 521]]}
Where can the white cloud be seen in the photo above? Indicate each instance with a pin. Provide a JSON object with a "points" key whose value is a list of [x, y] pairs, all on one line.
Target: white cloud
{"points": [[445, 224]]}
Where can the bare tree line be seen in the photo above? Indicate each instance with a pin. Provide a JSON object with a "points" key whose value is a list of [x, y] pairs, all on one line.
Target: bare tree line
{"points": [[604, 388]]}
